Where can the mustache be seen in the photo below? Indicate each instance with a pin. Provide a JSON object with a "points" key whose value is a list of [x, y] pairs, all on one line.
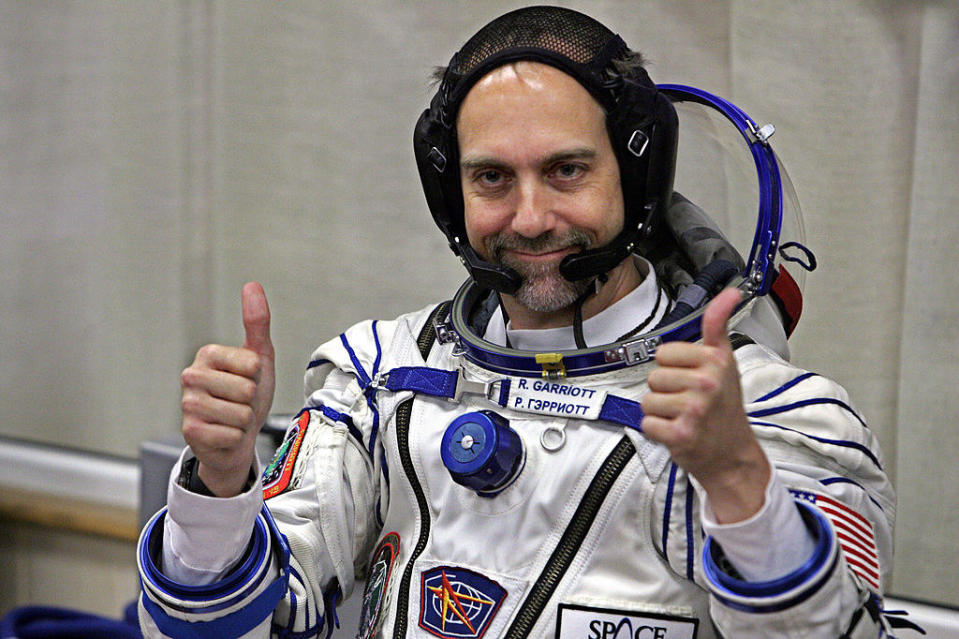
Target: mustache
{"points": [[497, 244]]}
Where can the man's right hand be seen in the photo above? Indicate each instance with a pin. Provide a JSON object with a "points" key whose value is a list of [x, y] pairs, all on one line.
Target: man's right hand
{"points": [[227, 395]]}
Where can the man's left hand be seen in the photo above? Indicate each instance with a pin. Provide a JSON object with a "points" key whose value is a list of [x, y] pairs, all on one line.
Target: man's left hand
{"points": [[695, 409]]}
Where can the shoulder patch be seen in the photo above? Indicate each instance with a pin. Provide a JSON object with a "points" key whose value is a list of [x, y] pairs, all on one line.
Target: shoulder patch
{"points": [[456, 603], [854, 532], [279, 472]]}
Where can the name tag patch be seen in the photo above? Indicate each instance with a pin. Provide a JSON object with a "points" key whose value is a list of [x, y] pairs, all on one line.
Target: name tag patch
{"points": [[552, 398], [583, 622]]}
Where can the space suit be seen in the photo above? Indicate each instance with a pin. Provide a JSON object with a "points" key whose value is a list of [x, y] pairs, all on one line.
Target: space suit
{"points": [[489, 482], [597, 534]]}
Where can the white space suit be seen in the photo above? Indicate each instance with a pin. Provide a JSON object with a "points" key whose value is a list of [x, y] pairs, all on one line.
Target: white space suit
{"points": [[599, 535]]}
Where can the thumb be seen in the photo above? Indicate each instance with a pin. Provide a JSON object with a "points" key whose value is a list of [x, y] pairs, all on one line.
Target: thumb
{"points": [[716, 316], [256, 319]]}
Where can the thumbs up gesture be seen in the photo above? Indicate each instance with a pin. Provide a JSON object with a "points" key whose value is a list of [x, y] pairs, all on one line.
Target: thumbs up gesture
{"points": [[695, 408], [227, 394]]}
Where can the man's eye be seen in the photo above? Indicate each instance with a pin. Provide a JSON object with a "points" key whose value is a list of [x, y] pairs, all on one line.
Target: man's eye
{"points": [[568, 170], [490, 177]]}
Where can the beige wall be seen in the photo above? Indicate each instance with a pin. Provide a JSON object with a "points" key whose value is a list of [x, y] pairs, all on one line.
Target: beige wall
{"points": [[154, 156], [55, 567]]}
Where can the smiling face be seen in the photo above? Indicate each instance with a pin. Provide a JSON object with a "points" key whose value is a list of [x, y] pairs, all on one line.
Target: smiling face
{"points": [[539, 176]]}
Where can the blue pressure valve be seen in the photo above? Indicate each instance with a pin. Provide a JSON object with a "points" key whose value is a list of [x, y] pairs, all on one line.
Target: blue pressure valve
{"points": [[482, 452]]}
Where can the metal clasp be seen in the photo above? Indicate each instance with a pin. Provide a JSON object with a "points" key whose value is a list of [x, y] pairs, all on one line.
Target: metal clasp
{"points": [[446, 335], [552, 363], [379, 380], [444, 332], [763, 133], [635, 352], [463, 385]]}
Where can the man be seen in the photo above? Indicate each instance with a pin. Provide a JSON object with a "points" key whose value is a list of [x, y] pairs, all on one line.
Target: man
{"points": [[486, 465]]}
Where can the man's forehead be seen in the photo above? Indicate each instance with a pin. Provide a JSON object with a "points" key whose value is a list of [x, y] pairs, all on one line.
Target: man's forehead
{"points": [[543, 89], [529, 105], [527, 72]]}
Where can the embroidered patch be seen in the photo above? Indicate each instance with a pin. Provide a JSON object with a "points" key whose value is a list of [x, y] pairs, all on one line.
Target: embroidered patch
{"points": [[855, 533], [277, 475], [374, 596], [584, 622], [553, 398], [457, 603]]}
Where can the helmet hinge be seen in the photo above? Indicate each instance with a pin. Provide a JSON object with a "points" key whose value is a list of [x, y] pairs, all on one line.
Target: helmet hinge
{"points": [[763, 133]]}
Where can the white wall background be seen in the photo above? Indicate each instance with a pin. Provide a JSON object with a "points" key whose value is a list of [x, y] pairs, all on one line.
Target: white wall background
{"points": [[155, 156]]}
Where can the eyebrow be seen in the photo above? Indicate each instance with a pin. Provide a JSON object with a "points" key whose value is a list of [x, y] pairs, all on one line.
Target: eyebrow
{"points": [[485, 162], [482, 162], [579, 153]]}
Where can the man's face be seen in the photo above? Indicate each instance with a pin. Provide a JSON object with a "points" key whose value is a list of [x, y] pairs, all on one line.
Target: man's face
{"points": [[540, 179]]}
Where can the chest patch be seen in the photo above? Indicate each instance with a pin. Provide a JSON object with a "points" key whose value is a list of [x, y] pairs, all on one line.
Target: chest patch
{"points": [[584, 622], [458, 603], [279, 473]]}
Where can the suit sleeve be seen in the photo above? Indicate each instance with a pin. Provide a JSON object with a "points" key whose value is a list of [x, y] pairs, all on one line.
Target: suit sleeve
{"points": [[318, 522], [831, 463]]}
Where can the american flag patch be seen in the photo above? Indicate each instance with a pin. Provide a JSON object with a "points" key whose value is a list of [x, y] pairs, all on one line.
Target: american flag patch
{"points": [[855, 534]]}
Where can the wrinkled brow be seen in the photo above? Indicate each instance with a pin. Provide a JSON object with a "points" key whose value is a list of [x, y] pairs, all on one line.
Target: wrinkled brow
{"points": [[492, 162]]}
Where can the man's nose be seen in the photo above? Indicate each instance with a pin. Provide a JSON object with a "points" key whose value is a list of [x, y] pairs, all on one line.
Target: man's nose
{"points": [[533, 215]]}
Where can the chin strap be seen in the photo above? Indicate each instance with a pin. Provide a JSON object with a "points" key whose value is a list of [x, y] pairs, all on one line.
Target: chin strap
{"points": [[578, 310], [578, 322], [502, 309]]}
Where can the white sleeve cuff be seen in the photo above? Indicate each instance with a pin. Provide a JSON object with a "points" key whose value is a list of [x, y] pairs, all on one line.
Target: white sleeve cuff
{"points": [[772, 543], [204, 537]]}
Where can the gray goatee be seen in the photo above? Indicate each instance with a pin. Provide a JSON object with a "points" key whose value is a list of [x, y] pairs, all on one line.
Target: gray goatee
{"points": [[544, 289]]}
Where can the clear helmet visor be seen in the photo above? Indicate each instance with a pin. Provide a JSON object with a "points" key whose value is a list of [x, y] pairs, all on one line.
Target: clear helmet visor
{"points": [[736, 209], [735, 177]]}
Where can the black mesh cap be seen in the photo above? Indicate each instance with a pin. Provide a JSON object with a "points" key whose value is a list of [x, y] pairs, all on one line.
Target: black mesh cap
{"points": [[567, 39]]}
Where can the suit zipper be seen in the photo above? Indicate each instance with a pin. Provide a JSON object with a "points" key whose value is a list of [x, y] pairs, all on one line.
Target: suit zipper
{"points": [[403, 413], [569, 544], [401, 620]]}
